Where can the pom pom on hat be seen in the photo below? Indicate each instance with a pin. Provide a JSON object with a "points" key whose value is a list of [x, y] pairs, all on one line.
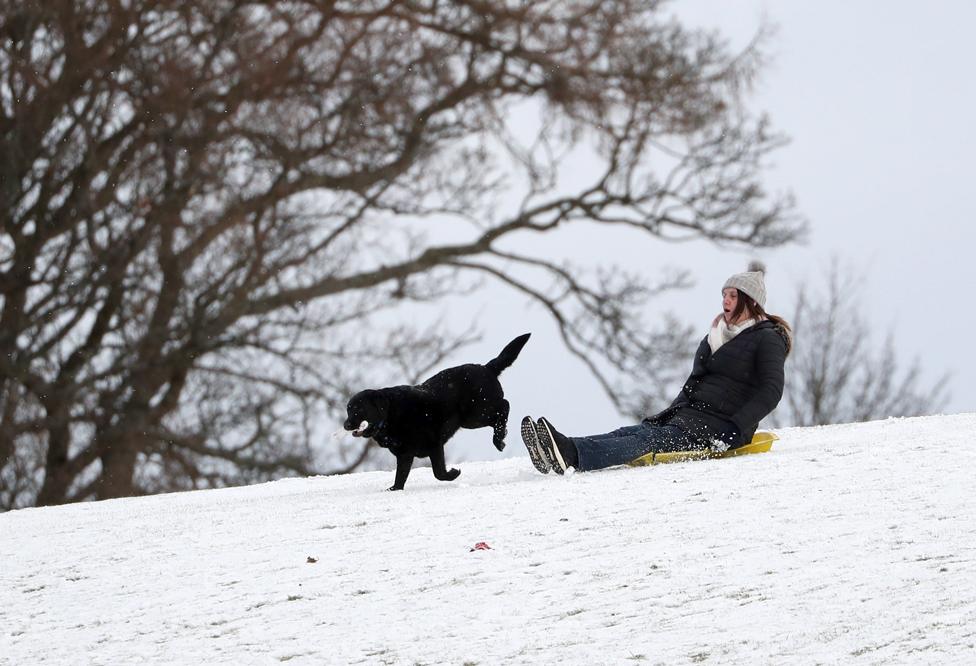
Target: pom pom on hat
{"points": [[751, 283]]}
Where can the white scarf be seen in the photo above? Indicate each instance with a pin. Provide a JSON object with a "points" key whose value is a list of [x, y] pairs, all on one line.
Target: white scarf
{"points": [[721, 332]]}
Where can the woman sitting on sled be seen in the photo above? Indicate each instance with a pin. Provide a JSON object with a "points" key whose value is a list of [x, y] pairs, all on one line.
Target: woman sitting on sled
{"points": [[736, 380]]}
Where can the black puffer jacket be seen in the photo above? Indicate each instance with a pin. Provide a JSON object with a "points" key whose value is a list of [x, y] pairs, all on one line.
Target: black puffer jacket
{"points": [[729, 392]]}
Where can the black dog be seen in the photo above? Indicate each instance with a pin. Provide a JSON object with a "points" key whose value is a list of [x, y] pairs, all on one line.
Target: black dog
{"points": [[417, 421]]}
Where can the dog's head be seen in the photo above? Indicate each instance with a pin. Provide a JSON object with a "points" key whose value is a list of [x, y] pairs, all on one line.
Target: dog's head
{"points": [[370, 407]]}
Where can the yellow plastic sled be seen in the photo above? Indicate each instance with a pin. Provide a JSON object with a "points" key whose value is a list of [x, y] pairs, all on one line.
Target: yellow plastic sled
{"points": [[761, 443]]}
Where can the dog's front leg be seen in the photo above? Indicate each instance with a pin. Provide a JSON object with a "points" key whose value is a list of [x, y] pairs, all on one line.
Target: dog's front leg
{"points": [[441, 473], [404, 463], [499, 424]]}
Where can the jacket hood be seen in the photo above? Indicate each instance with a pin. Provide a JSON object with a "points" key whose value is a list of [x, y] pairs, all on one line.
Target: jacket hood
{"points": [[783, 333]]}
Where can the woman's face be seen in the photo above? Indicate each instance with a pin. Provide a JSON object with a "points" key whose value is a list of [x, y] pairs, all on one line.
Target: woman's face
{"points": [[730, 298]]}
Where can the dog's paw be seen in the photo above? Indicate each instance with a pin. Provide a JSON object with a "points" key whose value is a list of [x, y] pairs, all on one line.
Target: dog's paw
{"points": [[452, 474], [499, 444], [394, 487]]}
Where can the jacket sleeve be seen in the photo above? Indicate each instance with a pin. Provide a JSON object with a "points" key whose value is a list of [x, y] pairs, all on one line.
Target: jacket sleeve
{"points": [[697, 370], [682, 398], [770, 379]]}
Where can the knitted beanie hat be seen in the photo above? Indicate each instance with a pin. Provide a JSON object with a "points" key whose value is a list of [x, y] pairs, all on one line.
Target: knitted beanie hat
{"points": [[750, 283]]}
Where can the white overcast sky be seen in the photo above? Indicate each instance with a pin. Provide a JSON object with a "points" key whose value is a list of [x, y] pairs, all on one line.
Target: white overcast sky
{"points": [[878, 99]]}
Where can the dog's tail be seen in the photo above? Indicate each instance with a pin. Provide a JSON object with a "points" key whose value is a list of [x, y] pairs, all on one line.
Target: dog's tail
{"points": [[508, 355]]}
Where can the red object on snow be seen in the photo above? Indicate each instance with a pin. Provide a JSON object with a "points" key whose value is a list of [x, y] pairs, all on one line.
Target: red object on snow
{"points": [[481, 545]]}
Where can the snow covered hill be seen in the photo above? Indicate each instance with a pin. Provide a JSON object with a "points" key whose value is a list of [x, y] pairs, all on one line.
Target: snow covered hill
{"points": [[845, 544]]}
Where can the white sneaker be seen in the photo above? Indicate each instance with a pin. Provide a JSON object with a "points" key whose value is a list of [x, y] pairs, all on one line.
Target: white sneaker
{"points": [[539, 460], [547, 442]]}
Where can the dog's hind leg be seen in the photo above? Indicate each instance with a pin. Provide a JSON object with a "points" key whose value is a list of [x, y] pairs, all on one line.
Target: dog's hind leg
{"points": [[499, 423], [441, 473], [404, 463]]}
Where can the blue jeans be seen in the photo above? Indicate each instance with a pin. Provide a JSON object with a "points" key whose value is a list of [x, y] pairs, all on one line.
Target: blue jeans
{"points": [[629, 443]]}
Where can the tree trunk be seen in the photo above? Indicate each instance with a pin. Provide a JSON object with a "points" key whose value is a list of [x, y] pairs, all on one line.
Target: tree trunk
{"points": [[117, 478], [58, 474]]}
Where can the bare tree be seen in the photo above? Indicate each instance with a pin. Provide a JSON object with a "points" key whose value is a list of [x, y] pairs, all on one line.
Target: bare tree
{"points": [[213, 214], [839, 371]]}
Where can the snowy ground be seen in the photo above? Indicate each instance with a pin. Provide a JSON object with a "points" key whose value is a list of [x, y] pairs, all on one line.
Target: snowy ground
{"points": [[845, 544]]}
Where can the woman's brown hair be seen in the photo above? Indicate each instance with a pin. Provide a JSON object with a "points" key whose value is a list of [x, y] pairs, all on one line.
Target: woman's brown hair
{"points": [[755, 311]]}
